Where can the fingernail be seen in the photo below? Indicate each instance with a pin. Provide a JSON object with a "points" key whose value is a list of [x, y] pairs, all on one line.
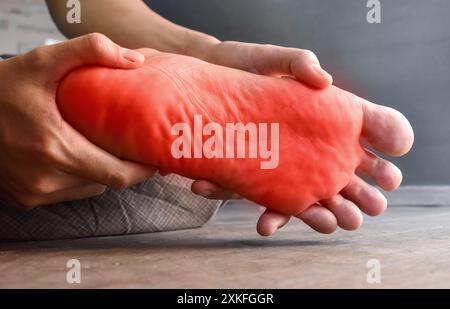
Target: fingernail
{"points": [[207, 193], [316, 68], [132, 56], [235, 196], [280, 226]]}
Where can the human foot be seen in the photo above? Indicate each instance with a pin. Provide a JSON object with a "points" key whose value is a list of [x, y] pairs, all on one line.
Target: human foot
{"points": [[388, 132], [300, 64], [346, 208], [331, 130]]}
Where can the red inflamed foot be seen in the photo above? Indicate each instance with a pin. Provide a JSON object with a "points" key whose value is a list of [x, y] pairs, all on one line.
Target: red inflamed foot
{"points": [[271, 140]]}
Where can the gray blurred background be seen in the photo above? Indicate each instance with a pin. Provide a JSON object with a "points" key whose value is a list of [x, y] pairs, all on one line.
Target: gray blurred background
{"points": [[404, 62]]}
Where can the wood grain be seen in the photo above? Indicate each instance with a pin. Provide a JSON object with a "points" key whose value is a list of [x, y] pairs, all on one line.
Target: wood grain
{"points": [[411, 243]]}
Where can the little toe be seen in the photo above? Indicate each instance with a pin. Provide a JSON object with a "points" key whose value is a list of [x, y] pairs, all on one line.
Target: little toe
{"points": [[382, 172], [368, 198], [319, 219], [270, 222], [386, 129], [348, 215]]}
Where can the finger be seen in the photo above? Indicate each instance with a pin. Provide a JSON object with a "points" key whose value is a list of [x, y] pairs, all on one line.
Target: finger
{"points": [[369, 199], [212, 191], [308, 70], [382, 172], [75, 194], [89, 49], [302, 64], [269, 222], [148, 52], [67, 195], [386, 129], [319, 219], [54, 181], [84, 159], [348, 215]]}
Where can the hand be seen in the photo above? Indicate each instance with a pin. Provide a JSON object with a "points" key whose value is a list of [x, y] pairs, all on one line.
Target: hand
{"points": [[346, 208], [43, 160], [271, 60]]}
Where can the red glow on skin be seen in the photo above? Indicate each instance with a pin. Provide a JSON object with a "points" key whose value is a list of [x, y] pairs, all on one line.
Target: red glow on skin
{"points": [[130, 113]]}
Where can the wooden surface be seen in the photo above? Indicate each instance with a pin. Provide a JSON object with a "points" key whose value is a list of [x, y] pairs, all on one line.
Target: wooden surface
{"points": [[411, 243], [420, 196]]}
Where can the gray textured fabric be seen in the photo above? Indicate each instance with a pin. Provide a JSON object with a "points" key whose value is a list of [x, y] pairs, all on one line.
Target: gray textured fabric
{"points": [[159, 204]]}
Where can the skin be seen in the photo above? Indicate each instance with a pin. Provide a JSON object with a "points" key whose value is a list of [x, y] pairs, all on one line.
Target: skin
{"points": [[119, 21], [43, 160]]}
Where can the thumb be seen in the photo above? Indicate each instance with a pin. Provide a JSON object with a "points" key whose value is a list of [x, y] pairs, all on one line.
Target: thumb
{"points": [[306, 68], [299, 63], [89, 49]]}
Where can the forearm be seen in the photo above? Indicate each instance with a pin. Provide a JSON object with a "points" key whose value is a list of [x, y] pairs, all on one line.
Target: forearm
{"points": [[131, 24]]}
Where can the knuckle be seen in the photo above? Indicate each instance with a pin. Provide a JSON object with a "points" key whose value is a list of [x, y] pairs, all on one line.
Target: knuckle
{"points": [[308, 54], [96, 39], [37, 59], [99, 44], [48, 150], [269, 49], [40, 186]]}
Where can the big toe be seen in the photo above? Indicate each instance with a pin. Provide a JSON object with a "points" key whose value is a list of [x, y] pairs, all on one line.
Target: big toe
{"points": [[386, 129]]}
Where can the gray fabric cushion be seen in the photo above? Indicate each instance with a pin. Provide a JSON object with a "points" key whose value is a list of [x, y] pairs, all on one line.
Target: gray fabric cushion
{"points": [[159, 204]]}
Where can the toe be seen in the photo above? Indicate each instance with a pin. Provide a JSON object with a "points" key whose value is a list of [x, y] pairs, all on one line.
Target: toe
{"points": [[348, 215], [270, 222], [369, 199], [386, 129], [382, 172], [319, 219]]}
